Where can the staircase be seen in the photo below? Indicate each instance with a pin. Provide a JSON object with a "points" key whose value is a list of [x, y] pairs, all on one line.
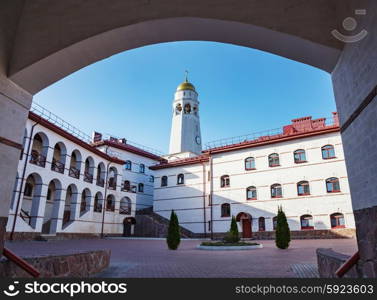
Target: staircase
{"points": [[150, 224]]}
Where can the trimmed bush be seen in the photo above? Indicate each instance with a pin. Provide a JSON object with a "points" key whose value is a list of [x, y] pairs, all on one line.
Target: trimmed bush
{"points": [[283, 234], [174, 237], [232, 235]]}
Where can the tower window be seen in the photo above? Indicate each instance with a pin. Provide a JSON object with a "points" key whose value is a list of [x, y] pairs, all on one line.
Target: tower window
{"points": [[187, 108]]}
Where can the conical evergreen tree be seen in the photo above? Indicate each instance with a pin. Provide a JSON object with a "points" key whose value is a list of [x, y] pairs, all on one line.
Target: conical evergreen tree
{"points": [[174, 237], [283, 234], [233, 234]]}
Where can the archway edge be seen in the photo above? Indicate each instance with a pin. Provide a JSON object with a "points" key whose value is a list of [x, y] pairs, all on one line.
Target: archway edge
{"points": [[64, 62]]}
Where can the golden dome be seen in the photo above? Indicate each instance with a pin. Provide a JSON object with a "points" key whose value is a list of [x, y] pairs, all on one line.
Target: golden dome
{"points": [[186, 86]]}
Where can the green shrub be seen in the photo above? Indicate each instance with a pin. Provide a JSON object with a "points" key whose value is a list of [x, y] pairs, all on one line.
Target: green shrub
{"points": [[283, 234], [174, 237], [232, 235]]}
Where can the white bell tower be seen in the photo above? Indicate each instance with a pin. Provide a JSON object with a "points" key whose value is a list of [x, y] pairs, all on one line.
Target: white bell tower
{"points": [[185, 136]]}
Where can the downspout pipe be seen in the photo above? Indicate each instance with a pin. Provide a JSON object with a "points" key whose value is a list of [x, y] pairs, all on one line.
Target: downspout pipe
{"points": [[22, 182], [104, 197], [211, 191], [204, 200]]}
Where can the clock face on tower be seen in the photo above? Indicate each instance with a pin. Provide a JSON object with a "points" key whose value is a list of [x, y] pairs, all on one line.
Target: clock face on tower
{"points": [[197, 140]]}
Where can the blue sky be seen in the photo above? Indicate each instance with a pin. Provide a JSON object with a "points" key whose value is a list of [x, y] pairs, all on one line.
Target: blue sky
{"points": [[241, 91]]}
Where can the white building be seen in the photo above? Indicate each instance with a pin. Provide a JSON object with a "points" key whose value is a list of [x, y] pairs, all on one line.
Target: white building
{"points": [[300, 168], [69, 186]]}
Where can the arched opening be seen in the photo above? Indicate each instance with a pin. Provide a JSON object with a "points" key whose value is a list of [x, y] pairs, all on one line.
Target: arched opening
{"points": [[246, 224], [31, 199], [75, 164], [126, 187], [110, 203], [251, 193], [85, 202], [180, 179], [51, 212], [113, 174], [89, 169], [125, 206], [98, 202], [101, 173], [70, 205], [127, 225], [58, 158], [39, 150], [276, 191], [142, 168]]}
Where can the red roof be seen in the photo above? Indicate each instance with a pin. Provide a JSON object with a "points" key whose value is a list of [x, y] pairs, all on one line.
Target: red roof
{"points": [[129, 148], [182, 162]]}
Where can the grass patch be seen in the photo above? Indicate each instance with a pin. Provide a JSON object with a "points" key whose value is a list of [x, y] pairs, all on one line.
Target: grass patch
{"points": [[215, 244]]}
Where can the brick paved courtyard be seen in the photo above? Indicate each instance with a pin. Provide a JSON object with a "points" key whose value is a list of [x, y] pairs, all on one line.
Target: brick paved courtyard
{"points": [[151, 258]]}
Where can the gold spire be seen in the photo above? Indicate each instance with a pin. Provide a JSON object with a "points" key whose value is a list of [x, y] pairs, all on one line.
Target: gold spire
{"points": [[186, 85]]}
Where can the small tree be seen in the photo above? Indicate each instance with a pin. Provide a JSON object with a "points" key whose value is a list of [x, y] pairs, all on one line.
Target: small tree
{"points": [[283, 234], [232, 235], [174, 238]]}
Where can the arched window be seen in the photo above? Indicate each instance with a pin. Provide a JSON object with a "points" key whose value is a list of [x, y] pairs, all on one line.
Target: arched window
{"points": [[273, 160], [299, 156], [337, 220], [332, 185], [140, 188], [101, 172], [251, 193], [303, 188], [164, 181], [126, 186], [58, 158], [261, 224], [125, 206], [274, 222], [128, 165], [250, 163], [276, 191], [306, 222], [110, 203], [225, 210], [89, 170], [151, 178], [85, 201], [142, 168], [180, 179], [39, 150], [113, 173], [328, 152], [75, 164], [98, 199], [224, 181]]}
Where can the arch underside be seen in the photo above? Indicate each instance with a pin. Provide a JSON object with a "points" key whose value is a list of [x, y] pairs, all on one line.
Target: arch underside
{"points": [[57, 65]]}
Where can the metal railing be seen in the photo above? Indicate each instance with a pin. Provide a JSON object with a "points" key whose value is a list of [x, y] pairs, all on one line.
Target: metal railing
{"points": [[108, 136], [257, 136], [54, 119]]}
